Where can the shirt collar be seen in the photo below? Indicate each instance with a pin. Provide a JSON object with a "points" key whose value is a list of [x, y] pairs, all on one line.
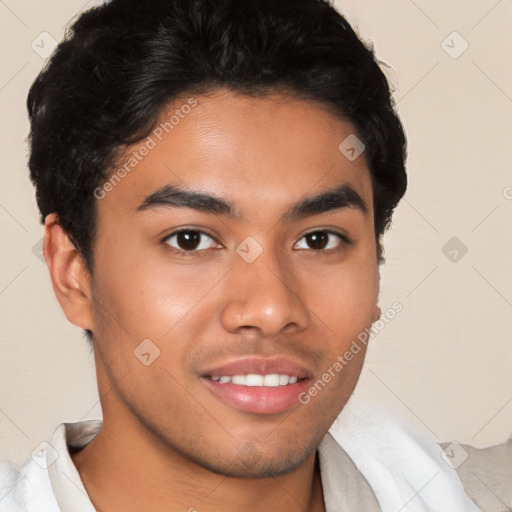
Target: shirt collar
{"points": [[66, 483]]}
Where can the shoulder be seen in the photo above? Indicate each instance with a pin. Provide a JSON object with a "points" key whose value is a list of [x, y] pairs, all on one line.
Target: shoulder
{"points": [[486, 473]]}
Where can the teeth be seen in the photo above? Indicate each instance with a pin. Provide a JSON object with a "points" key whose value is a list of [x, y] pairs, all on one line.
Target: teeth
{"points": [[271, 381], [238, 379], [253, 380]]}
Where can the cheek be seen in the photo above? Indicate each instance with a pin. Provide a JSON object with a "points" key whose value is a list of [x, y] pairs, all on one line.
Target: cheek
{"points": [[344, 297], [149, 295], [146, 295]]}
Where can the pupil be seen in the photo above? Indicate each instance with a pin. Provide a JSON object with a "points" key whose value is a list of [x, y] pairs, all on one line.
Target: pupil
{"points": [[188, 240], [318, 241]]}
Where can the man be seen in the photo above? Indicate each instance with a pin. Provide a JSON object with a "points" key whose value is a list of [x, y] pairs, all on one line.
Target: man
{"points": [[215, 178]]}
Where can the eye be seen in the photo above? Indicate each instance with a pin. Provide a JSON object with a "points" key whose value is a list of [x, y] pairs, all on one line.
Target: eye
{"points": [[321, 240], [190, 240]]}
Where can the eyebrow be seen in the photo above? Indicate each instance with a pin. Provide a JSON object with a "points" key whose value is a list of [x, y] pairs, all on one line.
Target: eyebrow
{"points": [[171, 196]]}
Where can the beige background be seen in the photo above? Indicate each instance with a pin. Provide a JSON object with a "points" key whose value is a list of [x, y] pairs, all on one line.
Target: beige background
{"points": [[444, 363]]}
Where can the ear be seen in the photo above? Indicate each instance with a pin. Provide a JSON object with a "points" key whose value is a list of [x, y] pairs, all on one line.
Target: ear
{"points": [[71, 280], [376, 314]]}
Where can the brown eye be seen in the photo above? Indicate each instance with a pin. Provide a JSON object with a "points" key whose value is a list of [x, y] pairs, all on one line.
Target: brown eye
{"points": [[190, 240], [320, 240]]}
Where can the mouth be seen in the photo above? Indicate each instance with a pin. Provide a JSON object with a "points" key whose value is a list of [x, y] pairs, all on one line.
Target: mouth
{"points": [[258, 385]]}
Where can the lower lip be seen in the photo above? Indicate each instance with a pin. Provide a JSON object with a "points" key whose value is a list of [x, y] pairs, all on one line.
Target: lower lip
{"points": [[258, 399]]}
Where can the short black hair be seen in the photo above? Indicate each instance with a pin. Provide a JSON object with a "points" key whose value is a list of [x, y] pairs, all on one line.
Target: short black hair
{"points": [[122, 62]]}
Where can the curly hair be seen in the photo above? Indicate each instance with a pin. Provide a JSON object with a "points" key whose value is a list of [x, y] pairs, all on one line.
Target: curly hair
{"points": [[122, 62]]}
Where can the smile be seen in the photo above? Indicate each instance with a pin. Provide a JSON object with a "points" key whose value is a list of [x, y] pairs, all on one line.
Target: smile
{"points": [[258, 394], [273, 380]]}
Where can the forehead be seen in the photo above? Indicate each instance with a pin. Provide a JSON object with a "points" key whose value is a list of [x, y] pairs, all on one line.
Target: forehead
{"points": [[268, 150]]}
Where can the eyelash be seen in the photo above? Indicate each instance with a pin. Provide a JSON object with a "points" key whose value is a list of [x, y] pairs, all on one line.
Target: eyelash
{"points": [[202, 252]]}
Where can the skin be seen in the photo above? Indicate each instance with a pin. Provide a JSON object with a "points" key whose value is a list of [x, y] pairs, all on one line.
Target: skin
{"points": [[167, 442]]}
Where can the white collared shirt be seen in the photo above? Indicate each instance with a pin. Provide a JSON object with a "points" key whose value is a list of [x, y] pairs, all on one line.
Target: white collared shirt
{"points": [[357, 456]]}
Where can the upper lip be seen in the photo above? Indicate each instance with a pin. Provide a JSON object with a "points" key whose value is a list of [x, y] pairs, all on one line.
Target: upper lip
{"points": [[259, 366]]}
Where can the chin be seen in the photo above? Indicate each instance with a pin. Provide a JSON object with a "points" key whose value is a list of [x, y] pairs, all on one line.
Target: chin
{"points": [[251, 462]]}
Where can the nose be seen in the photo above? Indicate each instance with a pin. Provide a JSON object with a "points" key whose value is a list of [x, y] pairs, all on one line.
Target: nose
{"points": [[263, 296]]}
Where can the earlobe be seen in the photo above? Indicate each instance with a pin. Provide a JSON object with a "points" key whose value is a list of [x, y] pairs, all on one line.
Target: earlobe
{"points": [[71, 280]]}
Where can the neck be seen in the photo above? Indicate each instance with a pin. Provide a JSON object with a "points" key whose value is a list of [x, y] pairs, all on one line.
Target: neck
{"points": [[127, 469]]}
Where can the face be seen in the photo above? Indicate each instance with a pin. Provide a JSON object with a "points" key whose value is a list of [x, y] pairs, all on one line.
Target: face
{"points": [[241, 248]]}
